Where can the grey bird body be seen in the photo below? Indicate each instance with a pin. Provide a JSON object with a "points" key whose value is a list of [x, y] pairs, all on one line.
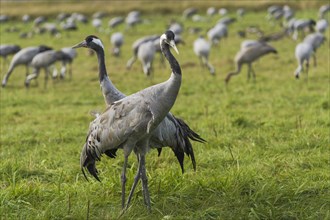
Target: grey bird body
{"points": [[44, 61], [8, 49], [117, 40], [202, 49], [129, 122], [248, 54], [23, 57], [146, 54], [303, 52]]}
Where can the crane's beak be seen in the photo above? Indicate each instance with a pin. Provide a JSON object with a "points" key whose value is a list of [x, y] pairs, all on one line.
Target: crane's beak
{"points": [[172, 44], [82, 44]]}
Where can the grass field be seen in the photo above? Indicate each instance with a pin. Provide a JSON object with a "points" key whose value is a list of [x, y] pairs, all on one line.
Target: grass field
{"points": [[267, 150]]}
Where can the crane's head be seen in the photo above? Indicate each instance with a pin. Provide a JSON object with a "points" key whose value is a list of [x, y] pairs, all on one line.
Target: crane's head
{"points": [[91, 42], [168, 38]]}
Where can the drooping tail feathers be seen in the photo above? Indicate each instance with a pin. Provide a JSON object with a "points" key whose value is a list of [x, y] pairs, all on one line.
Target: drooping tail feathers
{"points": [[184, 133]]}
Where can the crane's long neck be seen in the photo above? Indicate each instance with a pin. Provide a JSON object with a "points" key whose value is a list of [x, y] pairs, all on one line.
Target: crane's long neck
{"points": [[171, 59], [109, 91]]}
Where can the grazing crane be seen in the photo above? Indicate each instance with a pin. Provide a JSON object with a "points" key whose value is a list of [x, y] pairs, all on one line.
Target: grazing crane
{"points": [[315, 40], [8, 49], [133, 18], [303, 53], [172, 131], [248, 54], [117, 40], [23, 57], [202, 49], [211, 11], [114, 22], [217, 32], [67, 59], [45, 60], [146, 54], [135, 48], [321, 25], [129, 122], [300, 25]]}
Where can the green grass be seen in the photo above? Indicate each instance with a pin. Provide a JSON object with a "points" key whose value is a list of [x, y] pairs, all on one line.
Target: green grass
{"points": [[267, 155]]}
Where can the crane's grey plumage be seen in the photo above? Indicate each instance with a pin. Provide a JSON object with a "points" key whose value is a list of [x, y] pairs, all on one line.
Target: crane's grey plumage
{"points": [[146, 54], [248, 54], [8, 49], [172, 131], [117, 40], [202, 49], [299, 25], [303, 52], [114, 22], [321, 25], [135, 48], [67, 59], [216, 33], [315, 40], [45, 60], [129, 122], [23, 57]]}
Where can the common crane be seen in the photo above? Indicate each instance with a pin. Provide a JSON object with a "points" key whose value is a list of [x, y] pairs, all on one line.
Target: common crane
{"points": [[129, 122], [23, 57], [8, 49], [248, 54], [303, 52], [202, 49]]}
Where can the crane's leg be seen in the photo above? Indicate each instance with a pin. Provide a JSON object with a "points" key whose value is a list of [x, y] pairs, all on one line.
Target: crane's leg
{"points": [[249, 72], [314, 58], [5, 79], [123, 183], [136, 180], [130, 62], [144, 179], [31, 76], [253, 74], [307, 68], [47, 72]]}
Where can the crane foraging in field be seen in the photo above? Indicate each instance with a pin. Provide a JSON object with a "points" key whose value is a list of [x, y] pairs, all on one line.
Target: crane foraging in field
{"points": [[303, 52], [8, 49], [45, 60], [135, 121], [23, 57], [248, 54], [202, 49]]}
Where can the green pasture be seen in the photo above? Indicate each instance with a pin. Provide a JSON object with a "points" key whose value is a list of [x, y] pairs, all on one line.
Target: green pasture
{"points": [[267, 150]]}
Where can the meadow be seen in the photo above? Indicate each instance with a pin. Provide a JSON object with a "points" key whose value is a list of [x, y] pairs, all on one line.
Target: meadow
{"points": [[267, 150]]}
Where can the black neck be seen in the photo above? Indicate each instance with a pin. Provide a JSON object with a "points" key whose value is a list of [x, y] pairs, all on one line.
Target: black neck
{"points": [[171, 59], [102, 68]]}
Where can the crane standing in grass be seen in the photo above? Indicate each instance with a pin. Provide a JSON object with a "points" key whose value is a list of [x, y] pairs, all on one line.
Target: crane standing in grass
{"points": [[202, 49], [303, 53], [23, 57], [8, 49], [132, 122], [248, 54]]}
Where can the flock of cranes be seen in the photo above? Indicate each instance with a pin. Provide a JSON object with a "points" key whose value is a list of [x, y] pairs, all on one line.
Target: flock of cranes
{"points": [[142, 121]]}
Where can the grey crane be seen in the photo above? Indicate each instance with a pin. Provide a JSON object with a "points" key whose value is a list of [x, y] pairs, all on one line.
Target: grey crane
{"points": [[133, 18], [202, 49], [299, 25], [146, 54], [321, 25], [44, 60], [114, 22], [23, 57], [129, 122], [249, 54], [135, 48], [303, 52], [216, 33], [8, 49], [324, 9], [117, 40], [67, 59], [172, 131], [315, 40]]}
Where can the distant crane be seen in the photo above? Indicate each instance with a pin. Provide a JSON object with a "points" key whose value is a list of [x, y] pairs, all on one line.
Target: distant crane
{"points": [[146, 54], [303, 53], [129, 122], [315, 40], [117, 40], [8, 49], [202, 49], [44, 60], [23, 57], [248, 54]]}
